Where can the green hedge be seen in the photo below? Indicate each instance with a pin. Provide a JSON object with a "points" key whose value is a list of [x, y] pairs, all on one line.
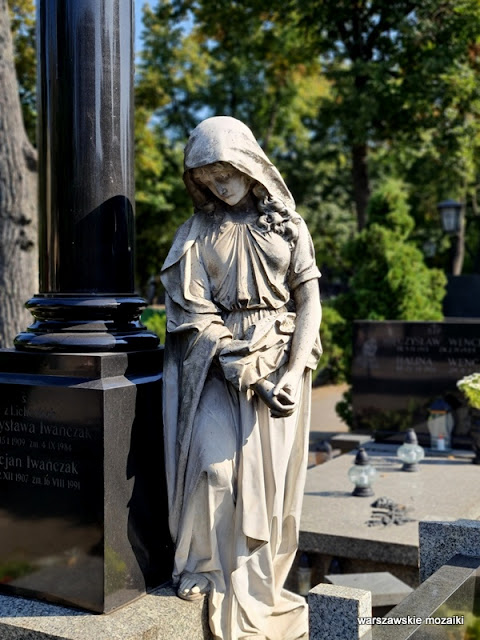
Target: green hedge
{"points": [[155, 320]]}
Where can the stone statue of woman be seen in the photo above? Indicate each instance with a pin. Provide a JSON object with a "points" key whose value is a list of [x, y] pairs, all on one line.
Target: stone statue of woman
{"points": [[243, 313]]}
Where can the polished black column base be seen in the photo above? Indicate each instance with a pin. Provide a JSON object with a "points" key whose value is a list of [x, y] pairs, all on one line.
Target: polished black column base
{"points": [[85, 324], [82, 483]]}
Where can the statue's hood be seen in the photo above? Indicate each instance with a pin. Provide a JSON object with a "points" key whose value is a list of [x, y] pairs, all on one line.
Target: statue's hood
{"points": [[225, 139]]}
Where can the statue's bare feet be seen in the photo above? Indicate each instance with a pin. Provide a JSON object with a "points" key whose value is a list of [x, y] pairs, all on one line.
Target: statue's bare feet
{"points": [[193, 586]]}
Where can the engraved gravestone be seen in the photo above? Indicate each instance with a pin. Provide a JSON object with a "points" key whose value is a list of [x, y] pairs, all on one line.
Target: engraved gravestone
{"points": [[81, 495], [400, 368], [83, 514]]}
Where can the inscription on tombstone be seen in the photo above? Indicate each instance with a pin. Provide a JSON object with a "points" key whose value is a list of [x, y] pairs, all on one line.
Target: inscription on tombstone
{"points": [[36, 449], [51, 488], [82, 500], [400, 368]]}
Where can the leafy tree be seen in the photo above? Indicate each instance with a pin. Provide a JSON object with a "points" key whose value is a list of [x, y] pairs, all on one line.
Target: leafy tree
{"points": [[389, 279], [22, 22], [162, 202], [190, 70], [235, 64], [401, 72], [18, 255], [339, 93]]}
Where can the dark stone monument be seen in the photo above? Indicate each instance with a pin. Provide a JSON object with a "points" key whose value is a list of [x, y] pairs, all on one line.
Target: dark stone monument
{"points": [[462, 299], [83, 514], [401, 368]]}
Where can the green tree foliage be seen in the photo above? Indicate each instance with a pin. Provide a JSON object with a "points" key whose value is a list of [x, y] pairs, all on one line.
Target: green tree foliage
{"points": [[404, 75], [335, 334], [193, 66], [162, 203], [207, 58], [389, 279], [155, 320], [22, 20], [340, 94]]}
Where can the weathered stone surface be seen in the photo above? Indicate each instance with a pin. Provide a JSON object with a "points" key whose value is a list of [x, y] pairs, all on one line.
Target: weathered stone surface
{"points": [[348, 441], [449, 592], [243, 314]]}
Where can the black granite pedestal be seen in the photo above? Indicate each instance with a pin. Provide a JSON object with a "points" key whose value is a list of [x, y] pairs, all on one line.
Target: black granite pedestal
{"points": [[83, 508]]}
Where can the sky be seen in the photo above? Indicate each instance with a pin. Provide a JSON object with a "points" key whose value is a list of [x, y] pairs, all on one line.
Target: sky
{"points": [[138, 22]]}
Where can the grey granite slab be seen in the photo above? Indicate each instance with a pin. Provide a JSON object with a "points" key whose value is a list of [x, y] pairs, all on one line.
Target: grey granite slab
{"points": [[159, 615], [335, 523], [334, 612], [439, 541], [348, 441], [386, 589]]}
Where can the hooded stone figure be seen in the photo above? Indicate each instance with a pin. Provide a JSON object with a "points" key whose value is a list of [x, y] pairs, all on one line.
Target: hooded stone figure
{"points": [[243, 313]]}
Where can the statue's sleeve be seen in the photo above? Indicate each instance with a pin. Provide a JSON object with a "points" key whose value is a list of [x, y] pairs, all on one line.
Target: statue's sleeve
{"points": [[189, 300], [302, 264], [194, 328]]}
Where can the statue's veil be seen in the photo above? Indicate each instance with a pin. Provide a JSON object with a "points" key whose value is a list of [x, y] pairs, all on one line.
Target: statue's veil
{"points": [[225, 139]]}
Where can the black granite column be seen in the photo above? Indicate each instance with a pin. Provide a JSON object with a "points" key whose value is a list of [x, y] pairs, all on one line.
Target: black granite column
{"points": [[82, 481], [86, 181]]}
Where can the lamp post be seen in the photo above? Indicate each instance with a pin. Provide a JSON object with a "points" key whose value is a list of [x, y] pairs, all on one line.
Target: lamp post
{"points": [[452, 217]]}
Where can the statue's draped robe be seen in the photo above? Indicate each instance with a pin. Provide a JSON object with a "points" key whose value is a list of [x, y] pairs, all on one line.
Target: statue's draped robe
{"points": [[235, 474]]}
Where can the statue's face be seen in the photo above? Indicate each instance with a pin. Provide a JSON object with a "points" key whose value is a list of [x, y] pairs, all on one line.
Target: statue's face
{"points": [[224, 181]]}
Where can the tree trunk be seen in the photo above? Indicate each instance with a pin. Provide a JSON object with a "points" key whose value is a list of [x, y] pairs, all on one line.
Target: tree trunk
{"points": [[361, 187], [18, 199]]}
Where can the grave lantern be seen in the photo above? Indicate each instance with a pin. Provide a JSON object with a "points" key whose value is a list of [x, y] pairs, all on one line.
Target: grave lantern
{"points": [[450, 212], [440, 424], [362, 474], [410, 453]]}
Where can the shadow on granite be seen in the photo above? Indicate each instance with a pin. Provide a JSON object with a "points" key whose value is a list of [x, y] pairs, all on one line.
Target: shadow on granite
{"points": [[159, 614], [329, 494]]}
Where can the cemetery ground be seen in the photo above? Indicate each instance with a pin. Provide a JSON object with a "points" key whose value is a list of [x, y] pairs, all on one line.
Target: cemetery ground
{"points": [[325, 420]]}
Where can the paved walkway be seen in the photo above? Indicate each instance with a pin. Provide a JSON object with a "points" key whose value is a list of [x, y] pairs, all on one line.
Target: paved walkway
{"points": [[325, 421]]}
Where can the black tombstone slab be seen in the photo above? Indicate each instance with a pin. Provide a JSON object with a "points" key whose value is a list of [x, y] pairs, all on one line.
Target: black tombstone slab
{"points": [[82, 490], [83, 514], [400, 368]]}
